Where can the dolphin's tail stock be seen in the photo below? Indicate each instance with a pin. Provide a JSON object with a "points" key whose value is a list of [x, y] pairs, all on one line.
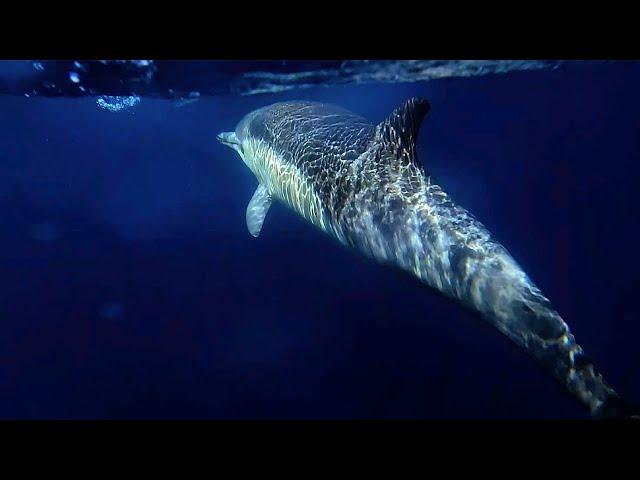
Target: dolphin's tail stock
{"points": [[514, 305], [577, 373]]}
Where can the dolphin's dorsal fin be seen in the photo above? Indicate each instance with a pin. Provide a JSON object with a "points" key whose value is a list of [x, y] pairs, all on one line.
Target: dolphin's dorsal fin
{"points": [[257, 209], [399, 132]]}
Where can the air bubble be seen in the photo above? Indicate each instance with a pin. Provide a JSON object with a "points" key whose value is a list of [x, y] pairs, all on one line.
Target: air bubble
{"points": [[115, 104]]}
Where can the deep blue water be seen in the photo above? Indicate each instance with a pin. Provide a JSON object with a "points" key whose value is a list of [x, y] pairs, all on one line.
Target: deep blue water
{"points": [[130, 287]]}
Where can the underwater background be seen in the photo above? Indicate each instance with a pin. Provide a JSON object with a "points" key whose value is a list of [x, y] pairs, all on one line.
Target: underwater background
{"points": [[130, 287]]}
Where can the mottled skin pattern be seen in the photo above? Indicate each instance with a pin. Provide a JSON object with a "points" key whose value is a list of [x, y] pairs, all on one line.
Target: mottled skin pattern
{"points": [[362, 184]]}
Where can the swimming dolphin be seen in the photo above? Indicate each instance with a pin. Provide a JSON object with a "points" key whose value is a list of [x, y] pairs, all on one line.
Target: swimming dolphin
{"points": [[362, 184]]}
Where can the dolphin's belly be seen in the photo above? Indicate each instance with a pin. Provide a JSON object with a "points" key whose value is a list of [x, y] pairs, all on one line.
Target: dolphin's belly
{"points": [[287, 183]]}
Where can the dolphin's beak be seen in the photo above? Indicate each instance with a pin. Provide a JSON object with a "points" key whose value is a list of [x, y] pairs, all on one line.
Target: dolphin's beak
{"points": [[228, 138], [231, 140]]}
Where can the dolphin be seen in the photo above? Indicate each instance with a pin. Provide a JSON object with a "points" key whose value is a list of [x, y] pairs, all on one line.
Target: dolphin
{"points": [[363, 185]]}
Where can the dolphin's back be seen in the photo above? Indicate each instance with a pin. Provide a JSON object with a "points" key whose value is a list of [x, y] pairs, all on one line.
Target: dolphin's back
{"points": [[309, 135]]}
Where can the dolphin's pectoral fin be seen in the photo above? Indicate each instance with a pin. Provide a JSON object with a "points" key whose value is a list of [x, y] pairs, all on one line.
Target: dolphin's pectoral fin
{"points": [[399, 132], [257, 210]]}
